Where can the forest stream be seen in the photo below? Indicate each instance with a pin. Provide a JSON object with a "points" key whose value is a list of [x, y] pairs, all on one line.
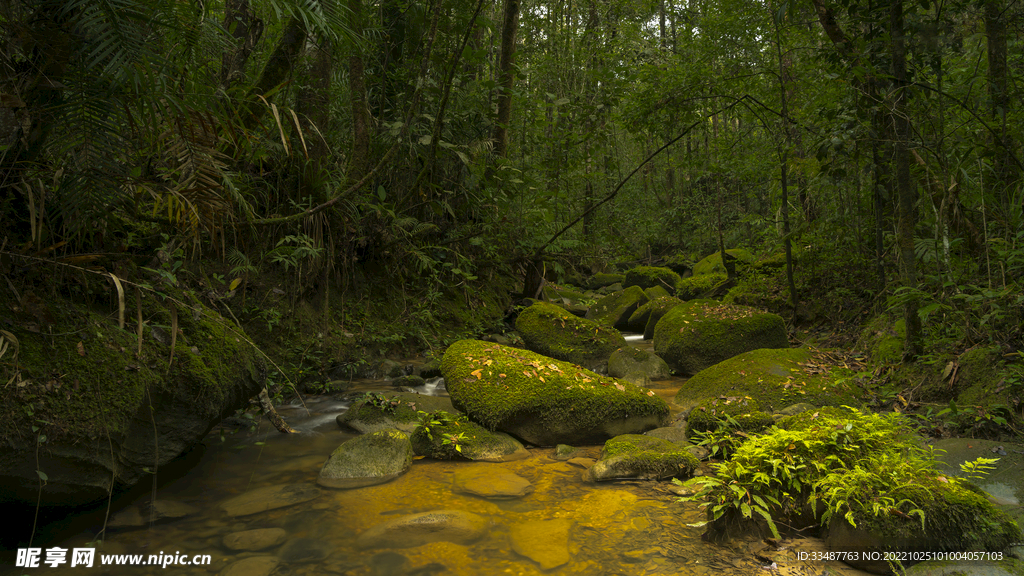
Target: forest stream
{"points": [[614, 528]]}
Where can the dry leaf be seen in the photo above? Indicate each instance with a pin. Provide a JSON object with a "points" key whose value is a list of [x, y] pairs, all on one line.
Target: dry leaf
{"points": [[81, 348]]}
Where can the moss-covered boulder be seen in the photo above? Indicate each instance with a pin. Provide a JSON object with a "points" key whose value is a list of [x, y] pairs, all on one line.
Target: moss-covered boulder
{"points": [[773, 378], [641, 456], [376, 411], [655, 292], [744, 411], [647, 316], [542, 400], [92, 408], [616, 308], [447, 436], [702, 333], [601, 279], [637, 366], [694, 286], [552, 331], [367, 460], [713, 262], [650, 276]]}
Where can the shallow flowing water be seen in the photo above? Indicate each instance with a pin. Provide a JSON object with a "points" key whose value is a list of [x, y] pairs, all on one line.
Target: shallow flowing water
{"points": [[621, 528]]}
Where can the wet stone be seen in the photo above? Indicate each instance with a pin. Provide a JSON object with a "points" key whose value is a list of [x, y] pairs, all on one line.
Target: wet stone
{"points": [[546, 542], [269, 498], [253, 566], [252, 540], [418, 529], [486, 482], [302, 550]]}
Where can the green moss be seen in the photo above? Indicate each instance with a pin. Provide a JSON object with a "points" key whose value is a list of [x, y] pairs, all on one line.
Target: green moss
{"points": [[957, 516], [774, 378], [647, 315], [702, 333], [554, 332], [600, 280], [651, 456], [616, 308], [694, 286], [883, 339], [495, 384], [89, 381], [655, 292], [979, 376], [713, 262], [454, 437], [649, 276], [711, 412]]}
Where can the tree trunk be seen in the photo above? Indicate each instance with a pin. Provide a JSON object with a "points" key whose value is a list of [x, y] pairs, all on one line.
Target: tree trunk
{"points": [[506, 77], [905, 189], [246, 29], [999, 101], [278, 68]]}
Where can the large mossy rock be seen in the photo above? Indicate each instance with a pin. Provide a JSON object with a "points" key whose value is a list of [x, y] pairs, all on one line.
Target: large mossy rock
{"points": [[641, 456], [616, 308], [446, 436], [702, 333], [773, 378], [601, 279], [650, 276], [695, 286], [713, 262], [367, 460], [637, 366], [542, 400], [552, 331], [91, 413], [647, 316]]}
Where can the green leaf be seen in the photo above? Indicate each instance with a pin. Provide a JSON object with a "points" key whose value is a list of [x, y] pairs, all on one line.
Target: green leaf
{"points": [[42, 475]]}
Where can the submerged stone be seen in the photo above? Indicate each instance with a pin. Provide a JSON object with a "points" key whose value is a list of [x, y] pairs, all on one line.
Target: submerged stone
{"points": [[253, 540], [418, 529], [269, 498], [546, 542], [486, 482]]}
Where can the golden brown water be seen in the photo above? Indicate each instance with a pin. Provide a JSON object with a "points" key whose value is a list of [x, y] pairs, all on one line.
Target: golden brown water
{"points": [[623, 528]]}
